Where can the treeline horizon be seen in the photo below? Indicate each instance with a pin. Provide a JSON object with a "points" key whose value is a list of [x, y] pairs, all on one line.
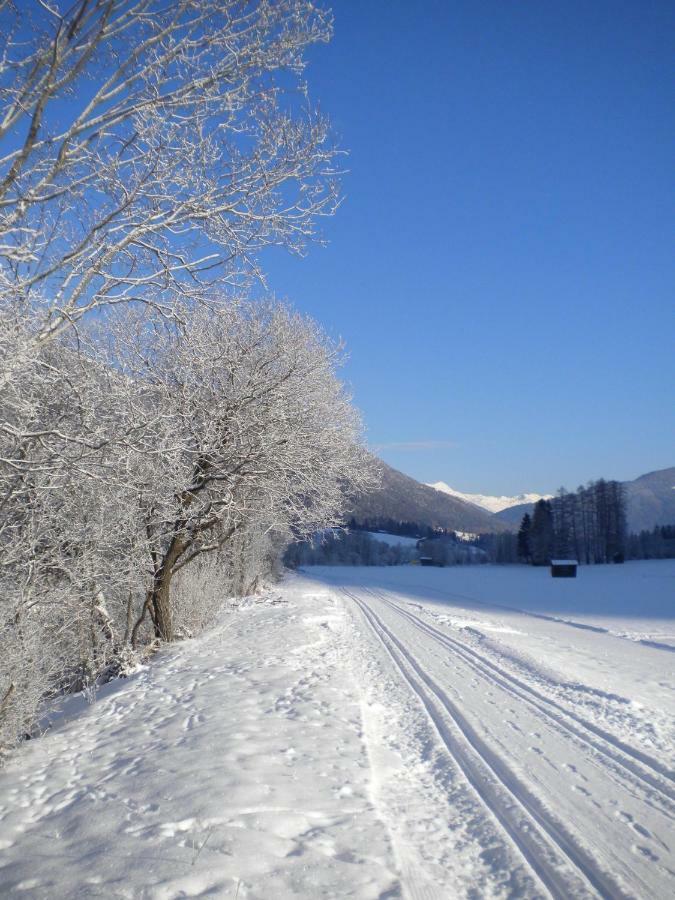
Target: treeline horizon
{"points": [[588, 525], [403, 528]]}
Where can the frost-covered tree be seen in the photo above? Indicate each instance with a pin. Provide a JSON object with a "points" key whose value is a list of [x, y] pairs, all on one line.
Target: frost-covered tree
{"points": [[224, 436], [149, 423], [256, 430], [70, 552], [148, 147]]}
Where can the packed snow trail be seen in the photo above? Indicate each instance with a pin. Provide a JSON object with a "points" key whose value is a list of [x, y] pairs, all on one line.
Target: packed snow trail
{"points": [[589, 811], [233, 765], [494, 784], [648, 769], [372, 734], [541, 837]]}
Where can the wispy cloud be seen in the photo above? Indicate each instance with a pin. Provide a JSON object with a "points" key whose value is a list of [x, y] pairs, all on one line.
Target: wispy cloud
{"points": [[417, 445]]}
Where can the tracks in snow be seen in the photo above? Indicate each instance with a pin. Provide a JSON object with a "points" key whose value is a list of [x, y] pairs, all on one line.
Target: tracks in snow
{"points": [[632, 765], [561, 865]]}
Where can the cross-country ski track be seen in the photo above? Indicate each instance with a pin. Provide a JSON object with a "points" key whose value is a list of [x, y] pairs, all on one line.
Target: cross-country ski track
{"points": [[564, 865], [399, 733], [586, 812]]}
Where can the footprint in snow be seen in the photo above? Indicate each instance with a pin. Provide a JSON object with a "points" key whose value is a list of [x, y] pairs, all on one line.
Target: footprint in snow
{"points": [[575, 771], [581, 790], [629, 820], [645, 851]]}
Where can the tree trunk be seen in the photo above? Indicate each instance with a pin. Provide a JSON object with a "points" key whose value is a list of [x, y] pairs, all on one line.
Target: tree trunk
{"points": [[161, 604], [160, 592]]}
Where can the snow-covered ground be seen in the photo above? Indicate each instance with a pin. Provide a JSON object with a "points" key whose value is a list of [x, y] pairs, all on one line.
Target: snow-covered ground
{"points": [[527, 724], [233, 766], [375, 733]]}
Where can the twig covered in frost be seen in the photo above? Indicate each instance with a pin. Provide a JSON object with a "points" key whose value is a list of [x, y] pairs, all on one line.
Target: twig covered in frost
{"points": [[148, 148]]}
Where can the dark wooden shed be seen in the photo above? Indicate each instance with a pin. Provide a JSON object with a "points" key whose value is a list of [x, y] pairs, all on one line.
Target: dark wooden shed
{"points": [[564, 568]]}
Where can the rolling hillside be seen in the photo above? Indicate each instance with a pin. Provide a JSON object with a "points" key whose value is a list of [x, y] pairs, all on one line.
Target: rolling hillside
{"points": [[514, 514], [650, 502]]}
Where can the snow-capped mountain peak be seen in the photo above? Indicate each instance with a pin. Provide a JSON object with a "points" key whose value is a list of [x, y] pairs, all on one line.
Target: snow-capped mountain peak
{"points": [[486, 501]]}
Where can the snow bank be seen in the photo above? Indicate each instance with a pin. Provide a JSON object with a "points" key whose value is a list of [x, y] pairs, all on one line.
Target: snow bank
{"points": [[232, 766]]}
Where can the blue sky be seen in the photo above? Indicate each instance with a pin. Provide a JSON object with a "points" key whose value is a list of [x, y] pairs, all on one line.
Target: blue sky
{"points": [[501, 268]]}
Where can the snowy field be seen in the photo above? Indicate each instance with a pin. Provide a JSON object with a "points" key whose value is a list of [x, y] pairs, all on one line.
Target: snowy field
{"points": [[524, 725], [372, 733]]}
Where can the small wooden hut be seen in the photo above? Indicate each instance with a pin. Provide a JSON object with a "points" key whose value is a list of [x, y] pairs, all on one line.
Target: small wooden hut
{"points": [[564, 568]]}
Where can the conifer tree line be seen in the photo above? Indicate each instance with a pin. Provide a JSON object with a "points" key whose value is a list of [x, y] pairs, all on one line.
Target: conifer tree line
{"points": [[347, 548], [162, 434], [396, 526], [659, 543], [588, 525]]}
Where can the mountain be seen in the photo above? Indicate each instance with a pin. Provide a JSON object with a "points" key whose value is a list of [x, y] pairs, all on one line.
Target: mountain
{"points": [[650, 501], [403, 499], [487, 501], [514, 514]]}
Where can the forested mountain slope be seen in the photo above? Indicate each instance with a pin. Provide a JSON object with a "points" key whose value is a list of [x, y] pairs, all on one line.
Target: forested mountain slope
{"points": [[402, 498], [514, 514], [650, 501]]}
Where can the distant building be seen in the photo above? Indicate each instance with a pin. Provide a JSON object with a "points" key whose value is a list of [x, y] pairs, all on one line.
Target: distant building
{"points": [[428, 561], [564, 568]]}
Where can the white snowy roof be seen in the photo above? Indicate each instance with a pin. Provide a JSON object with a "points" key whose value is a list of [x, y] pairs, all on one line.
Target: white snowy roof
{"points": [[564, 562]]}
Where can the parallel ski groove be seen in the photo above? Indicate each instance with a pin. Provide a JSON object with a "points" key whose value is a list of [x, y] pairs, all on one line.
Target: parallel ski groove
{"points": [[595, 737], [491, 779], [639, 755]]}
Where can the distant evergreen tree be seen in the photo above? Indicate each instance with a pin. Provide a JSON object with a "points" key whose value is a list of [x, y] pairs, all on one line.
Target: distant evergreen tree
{"points": [[562, 525], [506, 546], [524, 550], [541, 533], [616, 522]]}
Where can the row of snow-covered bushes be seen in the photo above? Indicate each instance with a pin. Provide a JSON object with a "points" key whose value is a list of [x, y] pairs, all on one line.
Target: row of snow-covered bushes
{"points": [[148, 154], [133, 453]]}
